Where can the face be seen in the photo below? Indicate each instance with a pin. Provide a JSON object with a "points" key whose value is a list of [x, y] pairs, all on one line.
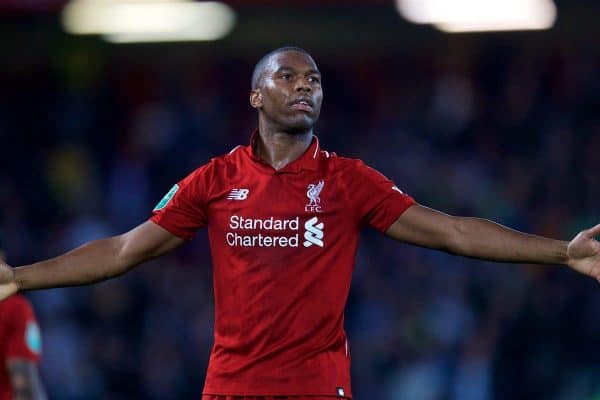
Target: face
{"points": [[290, 93]]}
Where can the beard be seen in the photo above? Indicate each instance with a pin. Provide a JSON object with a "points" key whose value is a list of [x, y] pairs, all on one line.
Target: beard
{"points": [[300, 127], [283, 119], [297, 124]]}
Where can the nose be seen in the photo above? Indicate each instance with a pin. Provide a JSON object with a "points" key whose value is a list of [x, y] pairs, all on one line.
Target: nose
{"points": [[302, 85]]}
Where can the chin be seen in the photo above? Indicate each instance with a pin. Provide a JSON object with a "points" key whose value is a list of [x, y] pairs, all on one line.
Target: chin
{"points": [[300, 125]]}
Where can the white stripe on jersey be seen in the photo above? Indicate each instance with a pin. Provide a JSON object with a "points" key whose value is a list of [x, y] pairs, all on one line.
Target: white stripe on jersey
{"points": [[317, 148], [235, 148]]}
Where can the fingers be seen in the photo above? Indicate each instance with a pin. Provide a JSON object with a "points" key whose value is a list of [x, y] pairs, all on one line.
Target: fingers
{"points": [[595, 231]]}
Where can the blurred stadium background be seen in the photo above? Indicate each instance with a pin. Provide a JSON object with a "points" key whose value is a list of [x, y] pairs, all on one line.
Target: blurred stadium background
{"points": [[502, 125]]}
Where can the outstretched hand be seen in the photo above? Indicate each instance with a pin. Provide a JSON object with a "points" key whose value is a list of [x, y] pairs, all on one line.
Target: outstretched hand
{"points": [[8, 286], [584, 252]]}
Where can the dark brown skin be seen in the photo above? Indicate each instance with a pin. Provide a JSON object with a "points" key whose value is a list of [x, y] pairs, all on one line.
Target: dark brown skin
{"points": [[286, 128]]}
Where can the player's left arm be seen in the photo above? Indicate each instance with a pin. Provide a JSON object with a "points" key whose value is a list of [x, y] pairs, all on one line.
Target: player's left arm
{"points": [[25, 380], [487, 240]]}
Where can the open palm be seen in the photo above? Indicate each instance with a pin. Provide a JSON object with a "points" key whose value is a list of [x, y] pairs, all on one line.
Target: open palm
{"points": [[7, 281], [584, 253]]}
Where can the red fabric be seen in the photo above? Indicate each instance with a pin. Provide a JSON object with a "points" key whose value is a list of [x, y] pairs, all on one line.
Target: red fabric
{"points": [[219, 397], [280, 293], [16, 321]]}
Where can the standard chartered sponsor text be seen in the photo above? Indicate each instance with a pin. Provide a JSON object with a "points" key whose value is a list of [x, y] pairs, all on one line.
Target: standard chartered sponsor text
{"points": [[267, 224], [260, 240], [264, 239]]}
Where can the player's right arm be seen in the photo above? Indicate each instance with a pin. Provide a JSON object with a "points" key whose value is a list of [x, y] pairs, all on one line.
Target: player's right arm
{"points": [[92, 262], [25, 380]]}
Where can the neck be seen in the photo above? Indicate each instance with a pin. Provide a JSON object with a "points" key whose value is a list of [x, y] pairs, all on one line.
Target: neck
{"points": [[279, 148]]}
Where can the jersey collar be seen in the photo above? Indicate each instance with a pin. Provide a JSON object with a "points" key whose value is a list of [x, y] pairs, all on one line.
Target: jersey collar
{"points": [[309, 160]]}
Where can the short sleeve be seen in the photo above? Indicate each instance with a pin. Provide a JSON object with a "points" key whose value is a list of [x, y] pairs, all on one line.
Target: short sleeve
{"points": [[378, 200], [183, 210], [24, 339]]}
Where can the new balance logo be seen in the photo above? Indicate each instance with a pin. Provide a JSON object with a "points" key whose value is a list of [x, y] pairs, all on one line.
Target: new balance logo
{"points": [[238, 194], [314, 232]]}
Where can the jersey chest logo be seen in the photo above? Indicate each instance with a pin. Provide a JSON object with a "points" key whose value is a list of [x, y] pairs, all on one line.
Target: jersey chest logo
{"points": [[313, 234], [238, 194], [314, 201]]}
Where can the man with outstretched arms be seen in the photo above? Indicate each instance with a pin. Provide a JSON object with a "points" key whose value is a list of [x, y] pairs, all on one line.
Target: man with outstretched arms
{"points": [[284, 217]]}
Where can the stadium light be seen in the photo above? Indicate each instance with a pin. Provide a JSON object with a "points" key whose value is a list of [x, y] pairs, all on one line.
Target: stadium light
{"points": [[149, 20], [480, 15]]}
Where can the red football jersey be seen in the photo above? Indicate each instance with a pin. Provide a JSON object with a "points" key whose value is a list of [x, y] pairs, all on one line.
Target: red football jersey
{"points": [[19, 337], [283, 245]]}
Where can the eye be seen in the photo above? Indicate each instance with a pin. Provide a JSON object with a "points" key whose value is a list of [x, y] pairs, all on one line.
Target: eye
{"points": [[286, 76], [314, 79]]}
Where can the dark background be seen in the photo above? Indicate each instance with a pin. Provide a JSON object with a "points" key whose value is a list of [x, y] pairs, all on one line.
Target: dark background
{"points": [[503, 126]]}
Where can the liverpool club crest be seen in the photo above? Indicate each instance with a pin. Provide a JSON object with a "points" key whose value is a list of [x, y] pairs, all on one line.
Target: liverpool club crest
{"points": [[313, 192]]}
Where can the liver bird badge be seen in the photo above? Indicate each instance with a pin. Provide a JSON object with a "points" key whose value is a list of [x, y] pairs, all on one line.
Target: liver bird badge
{"points": [[313, 192]]}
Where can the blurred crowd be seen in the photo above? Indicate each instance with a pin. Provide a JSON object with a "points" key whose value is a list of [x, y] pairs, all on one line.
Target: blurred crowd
{"points": [[91, 142]]}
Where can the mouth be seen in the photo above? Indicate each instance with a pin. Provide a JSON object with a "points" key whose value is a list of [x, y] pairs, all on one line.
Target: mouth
{"points": [[303, 104]]}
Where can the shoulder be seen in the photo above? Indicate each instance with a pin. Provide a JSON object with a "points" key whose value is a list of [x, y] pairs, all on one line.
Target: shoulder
{"points": [[16, 303], [356, 173], [16, 308], [232, 159], [235, 158], [348, 162], [348, 165], [216, 167]]}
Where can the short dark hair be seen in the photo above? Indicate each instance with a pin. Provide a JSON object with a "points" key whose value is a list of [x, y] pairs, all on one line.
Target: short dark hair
{"points": [[260, 65]]}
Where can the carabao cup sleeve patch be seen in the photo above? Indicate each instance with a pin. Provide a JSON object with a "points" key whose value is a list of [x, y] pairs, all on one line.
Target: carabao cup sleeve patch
{"points": [[168, 197], [185, 208], [33, 337]]}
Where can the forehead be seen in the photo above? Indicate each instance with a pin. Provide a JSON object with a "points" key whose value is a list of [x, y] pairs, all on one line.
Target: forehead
{"points": [[290, 59]]}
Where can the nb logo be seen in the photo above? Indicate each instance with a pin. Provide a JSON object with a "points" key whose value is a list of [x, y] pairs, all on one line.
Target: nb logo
{"points": [[314, 232], [238, 194]]}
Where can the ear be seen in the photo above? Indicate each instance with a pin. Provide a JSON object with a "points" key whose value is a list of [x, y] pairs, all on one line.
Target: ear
{"points": [[256, 99]]}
